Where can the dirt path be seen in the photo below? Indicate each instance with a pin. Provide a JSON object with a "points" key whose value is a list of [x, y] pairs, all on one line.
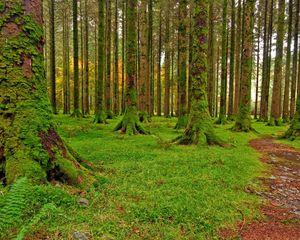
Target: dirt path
{"points": [[282, 209]]}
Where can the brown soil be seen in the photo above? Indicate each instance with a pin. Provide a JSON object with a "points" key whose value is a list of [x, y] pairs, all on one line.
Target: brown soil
{"points": [[281, 212]]}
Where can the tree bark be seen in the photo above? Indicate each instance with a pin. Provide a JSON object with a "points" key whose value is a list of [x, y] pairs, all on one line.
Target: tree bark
{"points": [[243, 121]]}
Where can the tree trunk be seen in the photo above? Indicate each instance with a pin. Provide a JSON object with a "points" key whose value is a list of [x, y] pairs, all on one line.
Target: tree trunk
{"points": [[243, 121], [76, 111], [144, 67], [276, 96], [222, 115], [295, 59], [130, 122], [238, 59], [52, 57], [158, 80], [200, 127], [100, 115], [211, 60], [107, 94], [167, 60], [116, 72], [232, 63], [29, 146], [182, 59], [86, 59]]}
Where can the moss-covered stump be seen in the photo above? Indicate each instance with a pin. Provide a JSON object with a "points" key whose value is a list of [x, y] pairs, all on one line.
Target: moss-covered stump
{"points": [[130, 123], [100, 117], [29, 145]]}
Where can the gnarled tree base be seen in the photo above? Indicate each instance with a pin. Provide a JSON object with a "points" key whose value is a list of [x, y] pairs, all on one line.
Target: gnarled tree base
{"points": [[100, 118], [144, 117], [221, 120], [294, 131], [274, 122], [182, 122], [130, 123], [110, 114]]}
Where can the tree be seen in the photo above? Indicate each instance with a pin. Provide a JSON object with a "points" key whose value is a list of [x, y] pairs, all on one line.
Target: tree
{"points": [[86, 108], [232, 63], [222, 114], [130, 122], [144, 71], [76, 111], [116, 72], [167, 60], [158, 80], [285, 111], [243, 121], [52, 57], [29, 143], [107, 92], [100, 115], [295, 59], [182, 60], [200, 126], [238, 58], [276, 96]]}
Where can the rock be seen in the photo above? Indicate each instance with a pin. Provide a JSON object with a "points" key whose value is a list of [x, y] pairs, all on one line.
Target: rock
{"points": [[79, 236], [83, 201]]}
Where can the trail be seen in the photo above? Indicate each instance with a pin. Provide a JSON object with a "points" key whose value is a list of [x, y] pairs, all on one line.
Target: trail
{"points": [[281, 210]]}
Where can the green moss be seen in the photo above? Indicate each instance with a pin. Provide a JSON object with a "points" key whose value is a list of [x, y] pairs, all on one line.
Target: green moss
{"points": [[69, 171], [20, 165]]}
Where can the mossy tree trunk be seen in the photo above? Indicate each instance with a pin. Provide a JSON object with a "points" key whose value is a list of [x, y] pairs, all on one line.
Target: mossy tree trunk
{"points": [[295, 61], [243, 121], [144, 67], [232, 63], [200, 126], [167, 60], [107, 94], [285, 110], [158, 80], [100, 115], [182, 68], [130, 122], [211, 60], [116, 63], [222, 114], [86, 105], [29, 144], [237, 73], [52, 57], [276, 96], [76, 111]]}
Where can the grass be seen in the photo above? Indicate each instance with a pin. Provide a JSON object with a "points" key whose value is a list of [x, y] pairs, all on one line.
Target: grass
{"points": [[148, 191]]}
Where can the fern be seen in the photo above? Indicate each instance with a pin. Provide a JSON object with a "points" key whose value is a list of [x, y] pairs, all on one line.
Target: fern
{"points": [[42, 213], [13, 204]]}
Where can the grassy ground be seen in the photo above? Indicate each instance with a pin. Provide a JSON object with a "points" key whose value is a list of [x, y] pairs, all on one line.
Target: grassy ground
{"points": [[149, 190]]}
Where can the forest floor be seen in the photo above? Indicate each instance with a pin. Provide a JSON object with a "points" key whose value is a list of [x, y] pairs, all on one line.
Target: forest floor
{"points": [[281, 210], [150, 190]]}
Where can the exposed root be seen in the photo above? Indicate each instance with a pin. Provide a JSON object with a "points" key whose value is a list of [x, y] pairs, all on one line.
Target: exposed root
{"points": [[130, 123], [100, 118]]}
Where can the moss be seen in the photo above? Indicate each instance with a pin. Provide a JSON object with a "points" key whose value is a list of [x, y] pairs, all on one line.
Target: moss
{"points": [[2, 6], [69, 171], [109, 114], [130, 123], [100, 117], [182, 122], [21, 165]]}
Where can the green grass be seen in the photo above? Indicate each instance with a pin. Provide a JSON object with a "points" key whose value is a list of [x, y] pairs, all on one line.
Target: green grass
{"points": [[147, 191]]}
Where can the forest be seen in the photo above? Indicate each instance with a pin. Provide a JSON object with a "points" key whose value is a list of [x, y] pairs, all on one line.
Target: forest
{"points": [[149, 119]]}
